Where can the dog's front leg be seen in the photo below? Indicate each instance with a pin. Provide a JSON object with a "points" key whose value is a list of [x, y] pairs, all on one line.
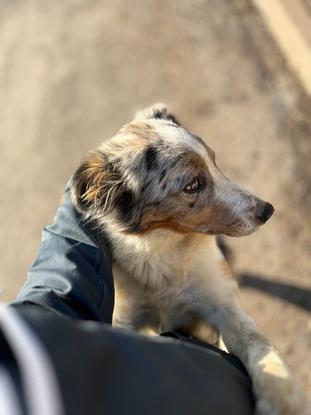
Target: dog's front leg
{"points": [[276, 392]]}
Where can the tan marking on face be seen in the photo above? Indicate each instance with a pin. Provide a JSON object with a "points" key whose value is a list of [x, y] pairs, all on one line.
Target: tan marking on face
{"points": [[196, 163], [212, 219], [165, 224], [154, 220]]}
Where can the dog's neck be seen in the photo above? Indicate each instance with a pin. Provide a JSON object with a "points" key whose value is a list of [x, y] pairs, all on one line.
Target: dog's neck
{"points": [[157, 240], [164, 244]]}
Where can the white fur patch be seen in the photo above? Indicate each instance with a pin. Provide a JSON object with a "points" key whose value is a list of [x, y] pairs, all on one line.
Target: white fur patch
{"points": [[181, 136]]}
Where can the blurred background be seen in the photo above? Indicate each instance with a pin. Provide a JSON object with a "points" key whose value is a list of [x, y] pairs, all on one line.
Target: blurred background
{"points": [[72, 72]]}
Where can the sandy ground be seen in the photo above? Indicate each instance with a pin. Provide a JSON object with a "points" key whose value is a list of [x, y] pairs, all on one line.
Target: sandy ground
{"points": [[72, 72]]}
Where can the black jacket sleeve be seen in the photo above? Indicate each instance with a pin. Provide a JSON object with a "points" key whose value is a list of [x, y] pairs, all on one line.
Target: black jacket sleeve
{"points": [[72, 272]]}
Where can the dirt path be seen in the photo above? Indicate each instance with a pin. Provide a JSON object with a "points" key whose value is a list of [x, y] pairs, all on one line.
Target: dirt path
{"points": [[72, 73]]}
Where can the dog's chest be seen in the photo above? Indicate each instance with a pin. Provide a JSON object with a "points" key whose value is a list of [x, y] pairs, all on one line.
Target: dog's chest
{"points": [[161, 285], [156, 271], [153, 271], [151, 291], [155, 267]]}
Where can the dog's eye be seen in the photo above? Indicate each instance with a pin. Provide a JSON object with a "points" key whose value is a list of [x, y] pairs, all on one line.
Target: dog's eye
{"points": [[194, 186]]}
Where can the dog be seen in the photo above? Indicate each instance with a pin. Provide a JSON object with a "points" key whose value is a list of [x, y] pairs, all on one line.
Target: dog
{"points": [[156, 191]]}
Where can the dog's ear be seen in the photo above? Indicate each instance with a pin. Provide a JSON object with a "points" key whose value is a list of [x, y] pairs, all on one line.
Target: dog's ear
{"points": [[156, 111], [95, 184]]}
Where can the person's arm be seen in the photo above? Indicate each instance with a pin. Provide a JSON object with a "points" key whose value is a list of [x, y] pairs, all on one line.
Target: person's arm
{"points": [[72, 272]]}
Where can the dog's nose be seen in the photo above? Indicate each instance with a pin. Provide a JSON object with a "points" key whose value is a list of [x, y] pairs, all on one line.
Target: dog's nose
{"points": [[264, 212]]}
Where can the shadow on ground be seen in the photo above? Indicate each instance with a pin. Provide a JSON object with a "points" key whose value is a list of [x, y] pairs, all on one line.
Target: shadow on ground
{"points": [[301, 297]]}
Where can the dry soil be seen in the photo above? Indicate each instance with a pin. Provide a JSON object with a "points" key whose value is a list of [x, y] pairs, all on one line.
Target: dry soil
{"points": [[72, 72]]}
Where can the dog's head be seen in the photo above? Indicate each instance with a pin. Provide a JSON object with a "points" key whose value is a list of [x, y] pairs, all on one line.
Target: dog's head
{"points": [[156, 174]]}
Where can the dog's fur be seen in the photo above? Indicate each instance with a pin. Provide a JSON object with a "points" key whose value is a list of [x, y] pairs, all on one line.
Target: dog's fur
{"points": [[156, 191]]}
